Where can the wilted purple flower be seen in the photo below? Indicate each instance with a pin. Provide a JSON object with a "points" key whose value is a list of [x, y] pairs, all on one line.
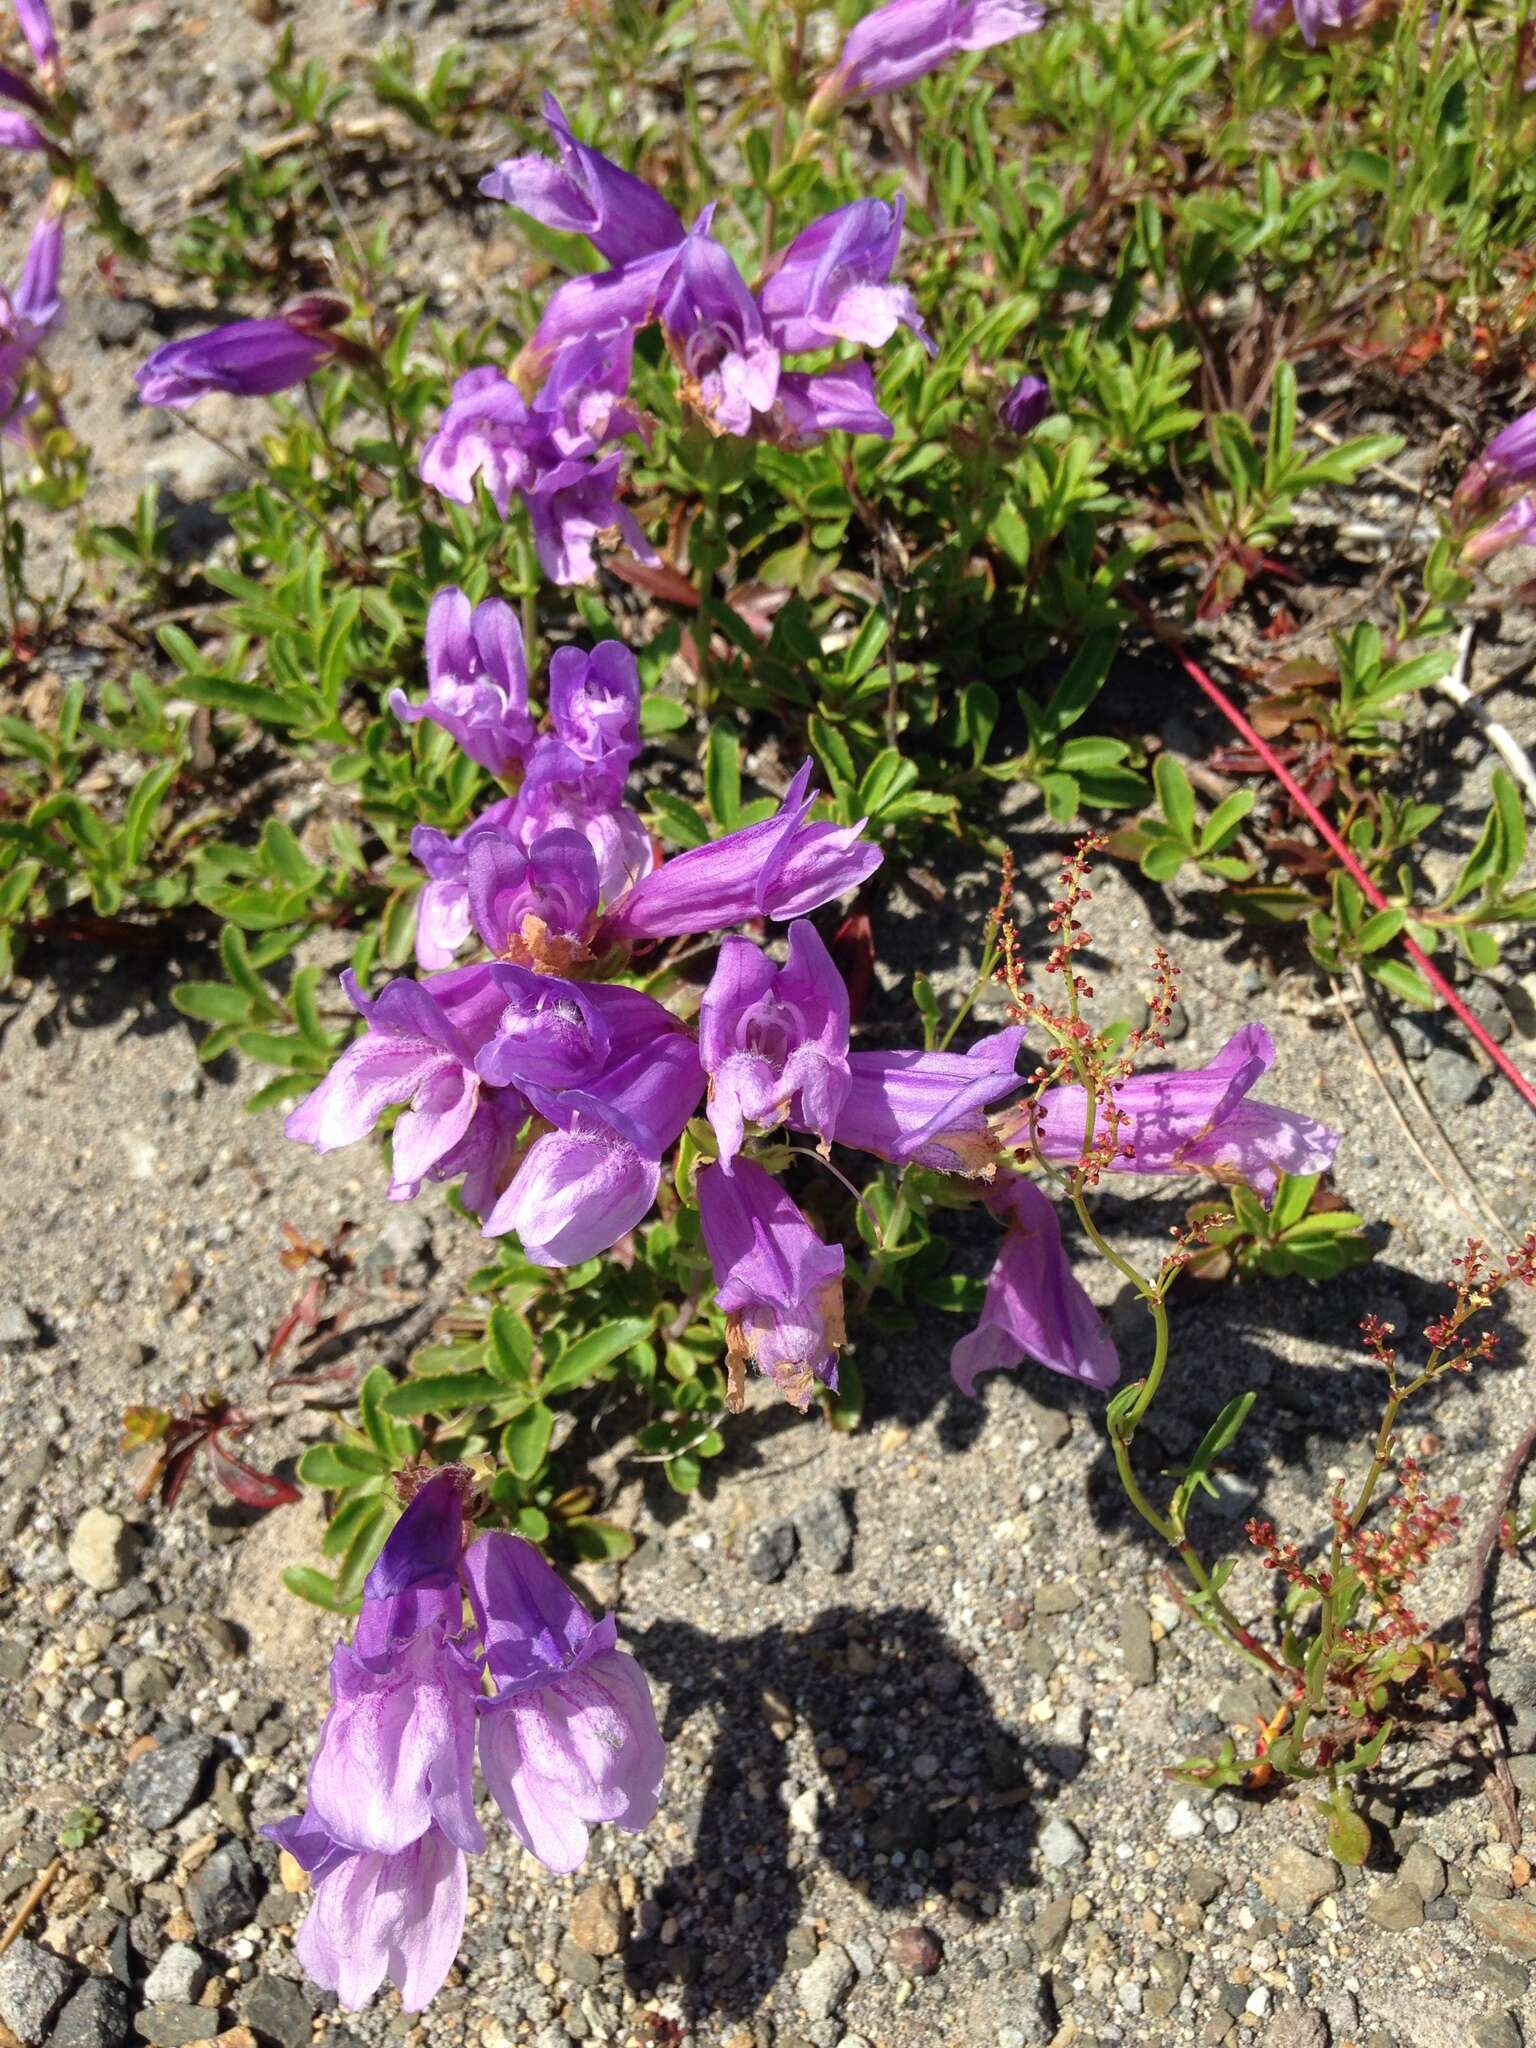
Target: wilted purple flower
{"points": [[813, 404], [1199, 1121], [783, 868], [570, 1737], [419, 1048], [1507, 463], [247, 358], [443, 921], [774, 1040], [905, 40], [1514, 527], [373, 1916], [594, 705], [537, 908], [1320, 21], [781, 1287], [1036, 1307], [1025, 405], [585, 194], [730, 369], [833, 282], [926, 1108], [561, 792], [477, 680]]}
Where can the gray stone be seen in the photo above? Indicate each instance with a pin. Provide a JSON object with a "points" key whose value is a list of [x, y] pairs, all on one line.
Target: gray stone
{"points": [[823, 1986], [277, 2010], [1509, 1922], [116, 322], [177, 1978], [1395, 1908], [172, 2026], [1497, 2030], [34, 1983], [1509, 1979], [1450, 1079], [1296, 2029], [17, 1328], [576, 1965], [1414, 1040], [1422, 1868], [1233, 1497], [1297, 1880], [1057, 1596], [225, 1892], [195, 470], [825, 1529], [103, 1550], [163, 1784], [146, 1681], [1136, 1644], [1031, 2021], [96, 2017], [1061, 1845], [769, 1551]]}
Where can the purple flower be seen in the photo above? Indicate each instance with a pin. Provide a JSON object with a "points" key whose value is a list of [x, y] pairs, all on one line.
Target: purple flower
{"points": [[1025, 405], [774, 1040], [605, 305], [781, 1287], [14, 87], [29, 314], [1320, 21], [419, 1048], [414, 1583], [594, 705], [561, 792], [907, 39], [576, 1194], [1199, 1121], [537, 908], [926, 1108], [443, 921], [832, 283], [570, 1737], [373, 1916], [840, 400], [1036, 1307], [585, 194], [1514, 527], [36, 24], [477, 680], [18, 132], [782, 868], [730, 369], [1507, 463], [248, 358]]}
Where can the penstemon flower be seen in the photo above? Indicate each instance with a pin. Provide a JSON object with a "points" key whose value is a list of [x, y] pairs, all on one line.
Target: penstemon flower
{"points": [[781, 1287], [1320, 21], [246, 358], [774, 1040], [1025, 405], [28, 315], [899, 43], [1036, 1307], [477, 680], [927, 1108]]}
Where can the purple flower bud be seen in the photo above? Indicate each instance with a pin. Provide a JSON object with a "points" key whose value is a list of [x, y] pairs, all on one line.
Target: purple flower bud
{"points": [[17, 132], [28, 315], [905, 40], [781, 1287], [14, 87], [585, 194], [576, 1194], [537, 908], [1199, 1121], [1507, 463], [1036, 1307], [477, 680], [782, 868], [594, 705], [36, 24], [570, 1737], [372, 1916], [443, 921], [1025, 405], [838, 401], [832, 283], [926, 1108], [774, 1040], [730, 369], [561, 792], [247, 358]]}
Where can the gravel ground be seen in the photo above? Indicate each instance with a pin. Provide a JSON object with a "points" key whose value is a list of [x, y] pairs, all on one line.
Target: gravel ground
{"points": [[921, 1684]]}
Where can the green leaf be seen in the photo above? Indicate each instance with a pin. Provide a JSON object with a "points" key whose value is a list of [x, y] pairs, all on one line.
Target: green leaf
{"points": [[1349, 1836], [598, 1540], [1225, 820], [211, 1002], [142, 806], [1293, 1197], [589, 1354], [338, 1466], [722, 776], [509, 1349], [313, 1585], [1175, 796], [1381, 929], [442, 1393], [525, 1440], [1161, 861], [1216, 1439], [1082, 682], [370, 1407], [1403, 981]]}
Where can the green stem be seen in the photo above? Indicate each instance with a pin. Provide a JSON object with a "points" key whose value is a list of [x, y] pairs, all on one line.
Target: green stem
{"points": [[12, 589]]}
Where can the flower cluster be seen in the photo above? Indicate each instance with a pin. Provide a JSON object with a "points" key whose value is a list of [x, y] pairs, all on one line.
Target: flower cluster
{"points": [[566, 1736]]}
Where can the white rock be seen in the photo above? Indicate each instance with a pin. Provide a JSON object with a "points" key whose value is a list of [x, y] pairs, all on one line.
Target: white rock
{"points": [[1184, 1822]]}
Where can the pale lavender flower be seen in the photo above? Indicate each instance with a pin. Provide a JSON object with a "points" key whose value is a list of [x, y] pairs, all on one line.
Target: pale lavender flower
{"points": [[1036, 1307], [1199, 1121], [569, 1740], [780, 1285], [813, 404], [28, 315], [539, 908], [1515, 527], [17, 131], [562, 792], [594, 705], [780, 869], [247, 358], [833, 282], [576, 1193], [477, 680], [905, 40], [927, 1108], [774, 1040], [586, 194], [1025, 405], [714, 330], [1320, 21], [443, 922]]}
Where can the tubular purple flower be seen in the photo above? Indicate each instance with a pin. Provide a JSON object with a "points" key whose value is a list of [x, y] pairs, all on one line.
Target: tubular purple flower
{"points": [[247, 358], [774, 1040], [842, 400], [781, 1287], [36, 24], [373, 1916], [780, 869], [905, 40], [1036, 1307], [14, 87], [1025, 405], [574, 505], [477, 680], [730, 369], [1320, 21], [482, 434], [586, 194], [18, 132], [594, 705], [570, 1738], [926, 1108], [832, 283], [414, 1583], [600, 306], [488, 1151], [561, 792], [28, 315], [1515, 527], [576, 1194], [1199, 1121], [419, 1048], [539, 908], [1508, 463], [443, 921]]}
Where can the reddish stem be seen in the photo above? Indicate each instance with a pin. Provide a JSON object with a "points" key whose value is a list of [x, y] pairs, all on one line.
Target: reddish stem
{"points": [[1347, 861]]}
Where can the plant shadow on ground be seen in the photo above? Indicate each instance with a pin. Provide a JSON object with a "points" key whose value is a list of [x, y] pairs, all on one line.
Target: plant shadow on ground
{"points": [[885, 1698]]}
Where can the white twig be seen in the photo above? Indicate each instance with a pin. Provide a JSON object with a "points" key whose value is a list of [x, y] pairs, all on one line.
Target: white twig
{"points": [[1499, 737]]}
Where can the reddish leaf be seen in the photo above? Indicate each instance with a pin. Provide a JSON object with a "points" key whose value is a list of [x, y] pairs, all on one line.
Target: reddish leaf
{"points": [[853, 948], [656, 579], [255, 1489]]}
